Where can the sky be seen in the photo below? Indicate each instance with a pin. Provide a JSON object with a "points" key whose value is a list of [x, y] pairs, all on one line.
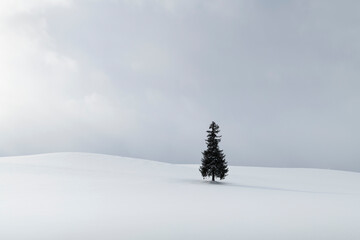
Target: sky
{"points": [[145, 78]]}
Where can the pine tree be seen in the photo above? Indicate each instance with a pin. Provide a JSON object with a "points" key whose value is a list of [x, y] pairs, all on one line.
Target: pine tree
{"points": [[213, 161]]}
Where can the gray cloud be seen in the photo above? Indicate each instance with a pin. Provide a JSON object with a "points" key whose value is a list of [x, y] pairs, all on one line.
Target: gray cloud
{"points": [[146, 78]]}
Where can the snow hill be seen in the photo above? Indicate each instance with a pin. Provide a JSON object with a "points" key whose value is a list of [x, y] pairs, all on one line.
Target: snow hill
{"points": [[82, 196]]}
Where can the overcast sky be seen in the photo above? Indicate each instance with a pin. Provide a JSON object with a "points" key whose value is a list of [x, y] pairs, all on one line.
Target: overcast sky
{"points": [[145, 78]]}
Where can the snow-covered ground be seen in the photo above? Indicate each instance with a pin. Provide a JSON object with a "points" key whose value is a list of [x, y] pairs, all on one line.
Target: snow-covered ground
{"points": [[82, 196]]}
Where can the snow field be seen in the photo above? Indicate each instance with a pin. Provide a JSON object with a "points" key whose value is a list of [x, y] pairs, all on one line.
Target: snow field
{"points": [[77, 196]]}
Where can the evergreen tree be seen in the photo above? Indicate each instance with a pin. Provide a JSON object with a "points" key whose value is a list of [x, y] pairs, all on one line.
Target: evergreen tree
{"points": [[213, 161]]}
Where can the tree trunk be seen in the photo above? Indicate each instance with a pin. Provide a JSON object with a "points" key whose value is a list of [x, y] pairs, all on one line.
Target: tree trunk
{"points": [[213, 177]]}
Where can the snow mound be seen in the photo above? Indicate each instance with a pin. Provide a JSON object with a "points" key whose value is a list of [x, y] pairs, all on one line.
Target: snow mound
{"points": [[77, 196]]}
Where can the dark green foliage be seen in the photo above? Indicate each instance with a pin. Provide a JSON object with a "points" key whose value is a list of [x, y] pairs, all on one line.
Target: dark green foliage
{"points": [[213, 161]]}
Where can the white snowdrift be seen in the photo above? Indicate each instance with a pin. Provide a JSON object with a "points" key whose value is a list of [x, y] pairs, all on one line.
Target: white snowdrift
{"points": [[76, 196]]}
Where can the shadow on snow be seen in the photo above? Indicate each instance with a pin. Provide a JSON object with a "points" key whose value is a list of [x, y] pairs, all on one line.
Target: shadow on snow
{"points": [[229, 184]]}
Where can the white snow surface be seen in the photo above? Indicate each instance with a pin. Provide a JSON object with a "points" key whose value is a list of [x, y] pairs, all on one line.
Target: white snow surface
{"points": [[85, 196]]}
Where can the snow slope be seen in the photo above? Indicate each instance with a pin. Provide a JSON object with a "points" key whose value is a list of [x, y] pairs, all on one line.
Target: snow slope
{"points": [[77, 196]]}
